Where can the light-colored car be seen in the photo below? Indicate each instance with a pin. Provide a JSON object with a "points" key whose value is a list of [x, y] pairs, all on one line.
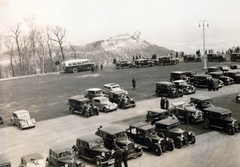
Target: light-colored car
{"points": [[94, 92], [187, 88], [113, 87], [22, 119], [4, 161], [104, 104], [180, 109], [32, 160]]}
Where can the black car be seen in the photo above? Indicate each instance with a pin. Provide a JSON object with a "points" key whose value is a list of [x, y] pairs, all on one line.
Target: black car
{"points": [[234, 66], [115, 135], [235, 74], [168, 89], [215, 57], [4, 161], [225, 79], [170, 128], [91, 147], [82, 106], [146, 135], [235, 57], [167, 60], [184, 86], [124, 64], [224, 68], [201, 80], [143, 62], [178, 75], [188, 58], [213, 69], [201, 102], [154, 116], [123, 100], [220, 118]]}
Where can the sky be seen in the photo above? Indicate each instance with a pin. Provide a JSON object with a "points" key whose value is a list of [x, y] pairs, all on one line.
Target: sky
{"points": [[173, 24]]}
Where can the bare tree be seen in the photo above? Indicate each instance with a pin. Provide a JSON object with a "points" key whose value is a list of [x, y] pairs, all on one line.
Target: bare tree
{"points": [[10, 46], [72, 47], [50, 46], [41, 51], [60, 34]]}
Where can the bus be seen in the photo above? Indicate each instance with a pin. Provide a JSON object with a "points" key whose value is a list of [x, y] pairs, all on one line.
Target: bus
{"points": [[76, 65]]}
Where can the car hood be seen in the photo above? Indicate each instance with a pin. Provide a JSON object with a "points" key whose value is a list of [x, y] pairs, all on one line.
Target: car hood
{"points": [[67, 159], [230, 119], [177, 130], [192, 109], [99, 149]]}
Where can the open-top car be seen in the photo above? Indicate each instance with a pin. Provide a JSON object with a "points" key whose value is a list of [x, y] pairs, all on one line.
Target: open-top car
{"points": [[82, 106], [115, 135], [154, 116], [62, 155], [91, 147], [146, 135], [22, 119], [113, 87], [184, 86], [123, 100], [94, 92], [168, 89], [201, 102], [124, 64], [104, 104], [4, 161], [170, 128], [180, 109], [32, 160], [220, 118]]}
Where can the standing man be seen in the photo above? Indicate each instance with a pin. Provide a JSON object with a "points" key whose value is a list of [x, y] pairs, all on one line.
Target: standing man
{"points": [[125, 156], [162, 103], [101, 66], [133, 83], [167, 104], [215, 84], [118, 158]]}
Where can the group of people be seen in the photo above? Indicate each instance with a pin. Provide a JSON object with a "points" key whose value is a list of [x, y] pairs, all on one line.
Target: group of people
{"points": [[164, 103], [213, 84], [121, 156], [95, 68]]}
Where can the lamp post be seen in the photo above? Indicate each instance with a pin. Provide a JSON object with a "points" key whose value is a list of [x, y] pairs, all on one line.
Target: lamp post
{"points": [[204, 55]]}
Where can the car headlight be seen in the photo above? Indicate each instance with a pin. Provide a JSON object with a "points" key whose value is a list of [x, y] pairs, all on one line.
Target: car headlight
{"points": [[112, 152], [182, 136], [66, 165], [103, 154], [189, 133]]}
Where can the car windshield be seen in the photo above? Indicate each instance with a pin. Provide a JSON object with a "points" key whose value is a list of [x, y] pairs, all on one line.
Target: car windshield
{"points": [[116, 86], [121, 135], [23, 115], [34, 163], [207, 103], [98, 143], [226, 115], [151, 132], [104, 100], [63, 154]]}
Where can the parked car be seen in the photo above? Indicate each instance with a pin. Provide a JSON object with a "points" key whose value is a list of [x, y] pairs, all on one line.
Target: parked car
{"points": [[124, 64], [113, 87], [224, 68], [188, 58], [235, 66], [1, 119], [115, 135], [184, 86], [220, 118], [31, 160], [180, 109], [178, 75], [82, 106], [145, 134], [22, 119], [94, 92], [4, 161], [235, 74], [213, 69], [104, 104], [225, 79], [123, 100], [143, 62], [62, 155], [168, 89], [201, 102], [238, 97], [167, 60], [91, 147], [201, 80], [170, 128], [235, 57], [215, 57], [154, 116]]}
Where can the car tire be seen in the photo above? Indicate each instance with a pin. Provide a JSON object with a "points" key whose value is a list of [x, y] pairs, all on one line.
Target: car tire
{"points": [[98, 162], [75, 70], [105, 109], [193, 140], [206, 123], [178, 143], [71, 109], [171, 146], [157, 150], [96, 111], [124, 106], [20, 126], [230, 130], [86, 114], [192, 120]]}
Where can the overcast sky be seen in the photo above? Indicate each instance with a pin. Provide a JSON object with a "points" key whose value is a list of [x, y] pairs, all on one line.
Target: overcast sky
{"points": [[173, 24]]}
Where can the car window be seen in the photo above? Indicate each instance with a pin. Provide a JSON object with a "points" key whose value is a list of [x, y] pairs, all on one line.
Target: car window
{"points": [[23, 115]]}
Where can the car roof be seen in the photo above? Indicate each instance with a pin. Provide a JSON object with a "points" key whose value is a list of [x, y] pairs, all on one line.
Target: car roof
{"points": [[138, 124], [178, 103], [20, 111], [79, 98], [99, 98], [179, 72], [93, 89], [113, 129], [60, 148], [142, 126], [168, 121], [165, 83], [160, 111], [4, 159], [180, 80], [218, 110], [201, 98], [117, 92], [89, 138], [111, 84], [74, 60], [216, 72], [31, 157], [213, 67]]}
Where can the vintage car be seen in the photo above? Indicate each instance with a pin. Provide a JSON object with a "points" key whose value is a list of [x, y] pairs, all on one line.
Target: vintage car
{"points": [[167, 60], [235, 66], [104, 104], [123, 100], [225, 79], [113, 87], [1, 119], [170, 128], [94, 92], [224, 68], [180, 109], [234, 74], [31, 160], [22, 119], [201, 102], [143, 62], [145, 134], [124, 64], [201, 80], [215, 57], [91, 147], [235, 57], [184, 86], [238, 97], [62, 155], [213, 69], [115, 135], [82, 106], [188, 58], [4, 161], [168, 89], [177, 75], [220, 118], [154, 116]]}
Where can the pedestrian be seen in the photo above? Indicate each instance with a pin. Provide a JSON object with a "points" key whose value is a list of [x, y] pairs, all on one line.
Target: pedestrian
{"points": [[215, 84], [167, 103], [162, 103], [92, 69], [101, 67], [133, 83], [125, 157], [118, 158]]}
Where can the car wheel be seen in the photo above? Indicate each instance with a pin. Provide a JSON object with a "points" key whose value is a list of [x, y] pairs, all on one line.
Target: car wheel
{"points": [[230, 130], [124, 106], [157, 150], [104, 109], [171, 146], [195, 84], [71, 109], [206, 123], [178, 143], [96, 112], [98, 162], [192, 120], [75, 70], [193, 140], [86, 114], [20, 126]]}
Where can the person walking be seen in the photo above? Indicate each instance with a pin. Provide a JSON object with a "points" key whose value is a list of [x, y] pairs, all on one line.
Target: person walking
{"points": [[162, 103], [118, 158], [125, 157], [133, 83], [101, 67], [167, 103], [215, 84]]}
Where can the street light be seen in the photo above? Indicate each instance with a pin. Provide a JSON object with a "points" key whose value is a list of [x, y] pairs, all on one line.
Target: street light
{"points": [[204, 57]]}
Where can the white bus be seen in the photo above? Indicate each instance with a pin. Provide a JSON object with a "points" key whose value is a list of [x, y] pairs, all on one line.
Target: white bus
{"points": [[76, 65]]}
